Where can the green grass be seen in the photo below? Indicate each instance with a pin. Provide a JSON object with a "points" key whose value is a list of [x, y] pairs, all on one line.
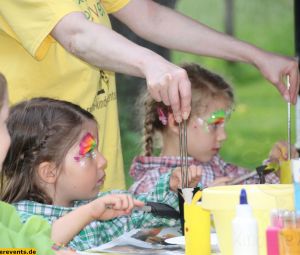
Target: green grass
{"points": [[260, 116]]}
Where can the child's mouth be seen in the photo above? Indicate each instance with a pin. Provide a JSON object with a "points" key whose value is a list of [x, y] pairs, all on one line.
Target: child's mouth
{"points": [[101, 180]]}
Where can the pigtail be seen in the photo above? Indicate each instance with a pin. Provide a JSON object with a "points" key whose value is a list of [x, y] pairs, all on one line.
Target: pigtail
{"points": [[148, 130], [155, 119]]}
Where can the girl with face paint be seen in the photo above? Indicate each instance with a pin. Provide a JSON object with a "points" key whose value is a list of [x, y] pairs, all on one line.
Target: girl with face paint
{"points": [[17, 234], [212, 104], [54, 169]]}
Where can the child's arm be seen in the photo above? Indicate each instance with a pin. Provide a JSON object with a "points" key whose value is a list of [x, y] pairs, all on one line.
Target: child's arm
{"points": [[165, 191], [103, 208]]}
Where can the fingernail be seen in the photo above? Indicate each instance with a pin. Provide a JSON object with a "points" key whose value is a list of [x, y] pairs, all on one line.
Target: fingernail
{"points": [[178, 118], [185, 115], [286, 97]]}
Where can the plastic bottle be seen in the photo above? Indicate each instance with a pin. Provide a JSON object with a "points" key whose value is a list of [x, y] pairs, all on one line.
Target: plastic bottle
{"points": [[244, 229], [272, 233]]}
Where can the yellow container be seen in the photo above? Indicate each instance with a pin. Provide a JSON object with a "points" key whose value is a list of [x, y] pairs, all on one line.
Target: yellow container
{"points": [[197, 229], [222, 201], [285, 172]]}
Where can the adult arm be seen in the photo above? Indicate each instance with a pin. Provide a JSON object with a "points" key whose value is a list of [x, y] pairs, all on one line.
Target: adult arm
{"points": [[106, 49], [173, 30]]}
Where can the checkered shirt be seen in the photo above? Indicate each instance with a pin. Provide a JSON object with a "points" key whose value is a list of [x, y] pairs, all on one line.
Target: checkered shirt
{"points": [[147, 170], [100, 232]]}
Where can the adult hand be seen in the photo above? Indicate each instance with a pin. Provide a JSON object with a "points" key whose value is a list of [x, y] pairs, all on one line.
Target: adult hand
{"points": [[276, 68], [170, 84]]}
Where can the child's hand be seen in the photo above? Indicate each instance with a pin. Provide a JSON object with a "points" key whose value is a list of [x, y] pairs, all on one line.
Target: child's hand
{"points": [[279, 152], [194, 177], [113, 205], [221, 181]]}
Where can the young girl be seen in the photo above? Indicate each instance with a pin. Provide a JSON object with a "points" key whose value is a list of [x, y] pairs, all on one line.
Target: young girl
{"points": [[35, 233], [212, 104], [54, 169]]}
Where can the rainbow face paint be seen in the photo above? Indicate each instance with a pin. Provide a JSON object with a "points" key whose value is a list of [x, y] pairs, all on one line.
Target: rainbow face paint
{"points": [[217, 119], [86, 148]]}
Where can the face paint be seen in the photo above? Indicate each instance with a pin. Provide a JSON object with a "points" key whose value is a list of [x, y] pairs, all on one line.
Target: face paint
{"points": [[217, 119], [86, 149]]}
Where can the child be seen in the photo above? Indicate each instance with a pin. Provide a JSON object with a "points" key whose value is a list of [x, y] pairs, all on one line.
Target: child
{"points": [[35, 233], [54, 169], [212, 104], [5, 138]]}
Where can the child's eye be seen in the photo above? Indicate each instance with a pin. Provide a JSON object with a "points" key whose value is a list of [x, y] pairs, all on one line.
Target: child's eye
{"points": [[91, 154], [214, 126]]}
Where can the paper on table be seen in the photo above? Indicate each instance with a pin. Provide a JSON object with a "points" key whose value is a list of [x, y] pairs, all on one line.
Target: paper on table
{"points": [[181, 241], [141, 241]]}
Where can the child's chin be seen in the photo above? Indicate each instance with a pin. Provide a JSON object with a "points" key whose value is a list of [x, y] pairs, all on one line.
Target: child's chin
{"points": [[206, 158], [96, 191]]}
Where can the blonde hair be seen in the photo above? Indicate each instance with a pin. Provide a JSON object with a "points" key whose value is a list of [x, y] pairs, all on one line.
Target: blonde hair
{"points": [[205, 85], [3, 89]]}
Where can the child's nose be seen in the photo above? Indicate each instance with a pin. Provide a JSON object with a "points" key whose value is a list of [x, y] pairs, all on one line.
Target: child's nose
{"points": [[221, 134], [101, 161]]}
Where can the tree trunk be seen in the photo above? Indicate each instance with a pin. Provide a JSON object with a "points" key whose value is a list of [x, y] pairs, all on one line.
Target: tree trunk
{"points": [[229, 17]]}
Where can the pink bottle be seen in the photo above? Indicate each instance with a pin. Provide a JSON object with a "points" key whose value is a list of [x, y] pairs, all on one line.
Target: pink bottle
{"points": [[272, 233]]}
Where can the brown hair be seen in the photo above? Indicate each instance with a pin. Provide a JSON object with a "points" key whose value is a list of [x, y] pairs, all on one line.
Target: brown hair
{"points": [[205, 85], [3, 89], [41, 129]]}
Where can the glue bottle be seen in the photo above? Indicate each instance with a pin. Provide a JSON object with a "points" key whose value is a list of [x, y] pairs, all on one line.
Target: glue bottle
{"points": [[244, 229]]}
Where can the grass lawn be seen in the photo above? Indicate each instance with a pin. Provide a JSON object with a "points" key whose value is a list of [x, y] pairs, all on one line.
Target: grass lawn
{"points": [[260, 117]]}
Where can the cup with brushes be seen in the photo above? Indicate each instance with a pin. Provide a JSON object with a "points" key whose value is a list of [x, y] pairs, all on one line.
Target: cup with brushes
{"points": [[195, 221]]}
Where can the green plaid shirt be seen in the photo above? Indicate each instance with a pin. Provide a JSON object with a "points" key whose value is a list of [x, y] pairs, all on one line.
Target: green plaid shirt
{"points": [[99, 232]]}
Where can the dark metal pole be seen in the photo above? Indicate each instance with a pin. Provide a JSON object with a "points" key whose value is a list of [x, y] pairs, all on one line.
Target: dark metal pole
{"points": [[297, 27], [297, 54]]}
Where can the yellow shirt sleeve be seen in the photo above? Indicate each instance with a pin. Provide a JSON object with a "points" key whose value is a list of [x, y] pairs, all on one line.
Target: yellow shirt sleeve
{"points": [[114, 5], [31, 21]]}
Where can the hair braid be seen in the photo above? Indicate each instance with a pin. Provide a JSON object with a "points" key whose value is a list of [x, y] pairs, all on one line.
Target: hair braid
{"points": [[148, 130]]}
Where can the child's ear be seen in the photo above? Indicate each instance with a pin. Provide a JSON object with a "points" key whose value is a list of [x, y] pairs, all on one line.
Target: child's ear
{"points": [[47, 172], [173, 125]]}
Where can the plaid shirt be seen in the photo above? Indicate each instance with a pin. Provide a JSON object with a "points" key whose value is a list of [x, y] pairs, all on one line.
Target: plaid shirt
{"points": [[99, 232], [147, 170]]}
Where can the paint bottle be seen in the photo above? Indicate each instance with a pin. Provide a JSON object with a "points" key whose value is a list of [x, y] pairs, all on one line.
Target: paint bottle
{"points": [[244, 229], [273, 231], [290, 235]]}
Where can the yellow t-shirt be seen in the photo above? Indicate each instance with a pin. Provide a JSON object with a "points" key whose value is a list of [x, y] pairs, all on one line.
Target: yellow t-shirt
{"points": [[36, 65]]}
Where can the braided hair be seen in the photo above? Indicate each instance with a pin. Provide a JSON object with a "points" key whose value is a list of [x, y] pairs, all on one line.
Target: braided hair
{"points": [[205, 85], [41, 130]]}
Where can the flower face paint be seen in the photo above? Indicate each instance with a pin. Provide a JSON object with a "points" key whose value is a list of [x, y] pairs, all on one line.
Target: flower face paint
{"points": [[217, 119], [86, 149]]}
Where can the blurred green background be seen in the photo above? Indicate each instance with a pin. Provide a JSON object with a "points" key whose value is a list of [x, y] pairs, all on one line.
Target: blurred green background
{"points": [[260, 117]]}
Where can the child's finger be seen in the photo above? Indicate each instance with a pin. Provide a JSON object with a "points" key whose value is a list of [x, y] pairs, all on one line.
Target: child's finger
{"points": [[138, 203], [125, 202], [117, 203], [194, 175], [129, 204]]}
